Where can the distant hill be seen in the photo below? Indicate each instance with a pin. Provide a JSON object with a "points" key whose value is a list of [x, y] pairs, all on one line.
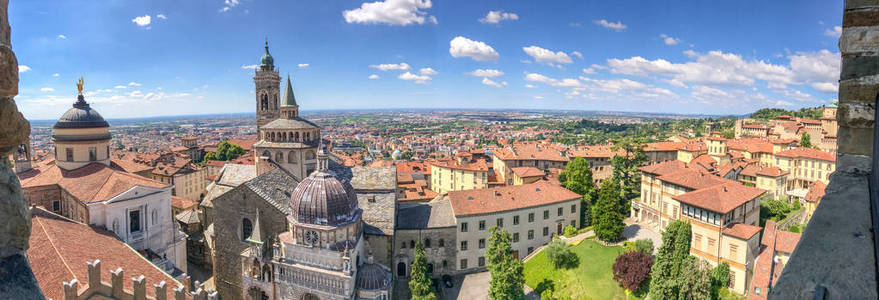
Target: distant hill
{"points": [[772, 113]]}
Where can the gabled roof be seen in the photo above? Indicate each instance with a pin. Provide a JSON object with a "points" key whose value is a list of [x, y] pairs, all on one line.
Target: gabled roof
{"points": [[483, 201], [721, 198], [741, 230], [809, 153], [816, 192], [60, 248], [91, 183], [525, 172], [529, 151]]}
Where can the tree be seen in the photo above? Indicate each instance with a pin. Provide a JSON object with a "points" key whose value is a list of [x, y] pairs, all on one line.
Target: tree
{"points": [[560, 255], [696, 280], [608, 221], [419, 280], [806, 140], [666, 271], [630, 269], [226, 151], [643, 245], [728, 134], [720, 275], [577, 177], [507, 279], [625, 170]]}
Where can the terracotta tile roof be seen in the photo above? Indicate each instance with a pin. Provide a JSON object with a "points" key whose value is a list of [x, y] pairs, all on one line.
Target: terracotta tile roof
{"points": [[741, 230], [810, 153], [483, 201], [182, 203], [786, 241], [663, 146], [666, 167], [695, 180], [246, 144], [721, 198], [771, 172], [703, 163], [410, 167], [816, 192], [479, 165], [751, 145], [528, 152], [597, 151], [94, 182], [404, 178], [525, 172], [215, 163], [129, 165], [61, 247]]}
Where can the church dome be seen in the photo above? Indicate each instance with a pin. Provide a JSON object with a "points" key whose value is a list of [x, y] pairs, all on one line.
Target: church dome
{"points": [[81, 115], [266, 59], [321, 199], [372, 277]]}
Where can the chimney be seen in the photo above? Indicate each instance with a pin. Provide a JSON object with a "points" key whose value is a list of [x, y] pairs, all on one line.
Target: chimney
{"points": [[179, 293], [116, 285], [138, 286], [185, 279]]}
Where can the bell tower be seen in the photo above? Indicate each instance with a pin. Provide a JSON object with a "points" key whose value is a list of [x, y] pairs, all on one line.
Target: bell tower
{"points": [[268, 90], [22, 157]]}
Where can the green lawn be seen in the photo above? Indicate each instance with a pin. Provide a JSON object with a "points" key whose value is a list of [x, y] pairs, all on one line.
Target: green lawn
{"points": [[592, 279]]}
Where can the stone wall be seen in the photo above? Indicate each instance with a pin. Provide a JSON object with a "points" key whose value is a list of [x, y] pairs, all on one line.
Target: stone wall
{"points": [[842, 222], [18, 280], [230, 209], [435, 253]]}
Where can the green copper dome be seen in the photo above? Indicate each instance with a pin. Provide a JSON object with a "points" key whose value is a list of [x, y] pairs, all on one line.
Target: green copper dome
{"points": [[266, 59]]}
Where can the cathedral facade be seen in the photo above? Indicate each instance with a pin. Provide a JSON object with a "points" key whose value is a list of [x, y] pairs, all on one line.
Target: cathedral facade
{"points": [[305, 227]]}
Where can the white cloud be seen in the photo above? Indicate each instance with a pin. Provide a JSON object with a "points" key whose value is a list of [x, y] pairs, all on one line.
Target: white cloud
{"points": [[819, 69], [490, 82], [374, 76], [303, 66], [418, 79], [161, 16], [546, 56], [134, 84], [495, 16], [618, 26], [62, 37], [229, 4], [427, 71], [47, 89], [142, 20], [566, 82], [669, 40], [836, 31], [538, 97], [392, 12], [464, 47], [827, 87], [23, 68], [588, 71], [120, 87], [486, 73], [782, 103], [386, 67], [249, 67], [56, 75], [530, 86], [577, 54]]}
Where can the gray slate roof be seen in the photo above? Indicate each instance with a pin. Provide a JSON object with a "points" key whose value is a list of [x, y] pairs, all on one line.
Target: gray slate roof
{"points": [[295, 123], [434, 214], [274, 186]]}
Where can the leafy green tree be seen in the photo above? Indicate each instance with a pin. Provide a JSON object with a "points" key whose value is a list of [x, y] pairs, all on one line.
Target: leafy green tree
{"points": [[806, 140], [720, 275], [625, 170], [226, 151], [419, 280], [577, 177], [560, 255], [666, 272], [695, 279], [728, 134], [643, 245], [507, 279], [608, 221]]}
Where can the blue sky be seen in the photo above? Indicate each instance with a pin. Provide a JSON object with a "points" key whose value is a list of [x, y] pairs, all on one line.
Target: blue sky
{"points": [[149, 58]]}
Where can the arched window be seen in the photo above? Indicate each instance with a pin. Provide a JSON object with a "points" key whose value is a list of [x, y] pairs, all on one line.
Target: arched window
{"points": [[155, 215], [254, 268], [264, 103], [279, 157], [426, 243], [246, 228], [429, 268], [401, 269], [442, 243], [284, 137], [445, 263], [297, 136], [412, 244], [291, 157], [266, 153], [266, 273]]}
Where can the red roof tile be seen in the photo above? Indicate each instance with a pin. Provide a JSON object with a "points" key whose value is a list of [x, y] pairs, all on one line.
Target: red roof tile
{"points": [[742, 231], [810, 153], [721, 198], [94, 182], [483, 201], [525, 172]]}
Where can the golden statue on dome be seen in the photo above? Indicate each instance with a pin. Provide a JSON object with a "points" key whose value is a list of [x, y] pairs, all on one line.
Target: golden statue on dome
{"points": [[79, 84]]}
